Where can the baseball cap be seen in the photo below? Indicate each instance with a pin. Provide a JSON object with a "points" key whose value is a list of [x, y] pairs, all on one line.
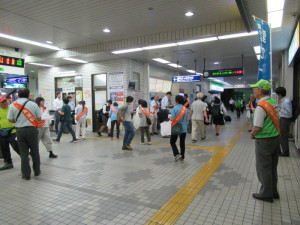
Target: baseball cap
{"points": [[2, 98], [262, 84]]}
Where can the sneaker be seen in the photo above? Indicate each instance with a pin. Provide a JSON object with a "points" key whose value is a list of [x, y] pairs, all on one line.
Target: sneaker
{"points": [[25, 178], [129, 147], [126, 148], [37, 173], [182, 160], [7, 166], [52, 155], [194, 141], [203, 138], [75, 140], [177, 157], [99, 133], [149, 143], [142, 143], [56, 141]]}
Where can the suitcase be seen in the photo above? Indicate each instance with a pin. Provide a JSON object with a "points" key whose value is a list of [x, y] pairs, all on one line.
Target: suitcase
{"points": [[227, 118]]}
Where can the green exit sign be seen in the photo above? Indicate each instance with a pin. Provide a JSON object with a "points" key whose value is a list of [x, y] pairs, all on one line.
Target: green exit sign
{"points": [[1, 69]]}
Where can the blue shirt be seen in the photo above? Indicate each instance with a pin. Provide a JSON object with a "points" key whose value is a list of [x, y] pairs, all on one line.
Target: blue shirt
{"points": [[113, 115], [286, 108], [183, 121]]}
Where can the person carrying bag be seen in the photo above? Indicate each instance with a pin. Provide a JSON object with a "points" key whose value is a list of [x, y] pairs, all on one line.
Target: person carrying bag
{"points": [[179, 118]]}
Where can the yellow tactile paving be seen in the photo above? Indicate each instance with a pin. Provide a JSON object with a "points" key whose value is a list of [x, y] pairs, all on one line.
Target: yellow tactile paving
{"points": [[171, 211]]}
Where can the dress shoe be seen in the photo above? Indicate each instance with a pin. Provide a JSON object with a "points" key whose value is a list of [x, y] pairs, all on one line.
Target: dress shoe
{"points": [[37, 173], [7, 166], [129, 147], [276, 196], [26, 178], [52, 155], [266, 199], [125, 148]]}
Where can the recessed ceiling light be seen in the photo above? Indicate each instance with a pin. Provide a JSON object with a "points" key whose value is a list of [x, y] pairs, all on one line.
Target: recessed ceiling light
{"points": [[29, 41], [240, 78], [49, 42], [40, 64], [161, 60], [189, 13], [216, 63], [75, 60], [174, 65], [275, 18], [106, 30], [256, 49], [191, 71]]}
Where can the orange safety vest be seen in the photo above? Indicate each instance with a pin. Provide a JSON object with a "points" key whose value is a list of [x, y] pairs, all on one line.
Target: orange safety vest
{"points": [[145, 112], [81, 113], [180, 114], [271, 111], [113, 109], [31, 118]]}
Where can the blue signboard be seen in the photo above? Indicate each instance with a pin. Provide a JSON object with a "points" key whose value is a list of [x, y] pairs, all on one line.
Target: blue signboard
{"points": [[264, 33], [186, 78], [17, 80]]}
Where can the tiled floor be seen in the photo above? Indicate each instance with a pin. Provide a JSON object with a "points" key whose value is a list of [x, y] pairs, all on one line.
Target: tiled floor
{"points": [[95, 182]]}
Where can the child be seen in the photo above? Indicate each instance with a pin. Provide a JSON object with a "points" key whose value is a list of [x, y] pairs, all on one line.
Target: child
{"points": [[144, 127], [113, 113], [80, 115]]}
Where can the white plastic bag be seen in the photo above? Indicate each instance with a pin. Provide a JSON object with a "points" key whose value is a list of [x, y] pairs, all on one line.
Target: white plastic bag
{"points": [[165, 128], [248, 114], [136, 121], [108, 123]]}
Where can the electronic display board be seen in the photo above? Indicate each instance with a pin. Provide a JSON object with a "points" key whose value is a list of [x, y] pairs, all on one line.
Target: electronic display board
{"points": [[17, 80], [225, 72], [11, 61]]}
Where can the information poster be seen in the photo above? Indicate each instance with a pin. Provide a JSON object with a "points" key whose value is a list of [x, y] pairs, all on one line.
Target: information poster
{"points": [[87, 93], [46, 94], [116, 88]]}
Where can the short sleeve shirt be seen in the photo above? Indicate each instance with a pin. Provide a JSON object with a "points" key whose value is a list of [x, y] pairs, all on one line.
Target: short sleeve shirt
{"points": [[260, 114], [113, 115], [22, 120], [198, 108], [67, 110], [183, 121]]}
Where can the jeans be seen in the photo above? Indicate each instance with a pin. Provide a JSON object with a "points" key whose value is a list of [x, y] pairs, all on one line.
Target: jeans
{"points": [[113, 123], [68, 125], [4, 143], [182, 144], [129, 133]]}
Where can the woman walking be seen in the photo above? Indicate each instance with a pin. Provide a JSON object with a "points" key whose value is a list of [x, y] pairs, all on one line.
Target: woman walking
{"points": [[179, 117], [144, 125], [113, 113], [80, 115], [66, 121], [44, 131], [218, 112]]}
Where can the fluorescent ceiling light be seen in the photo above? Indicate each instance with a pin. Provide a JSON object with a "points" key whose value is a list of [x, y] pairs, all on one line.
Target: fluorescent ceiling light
{"points": [[237, 35], [199, 73], [49, 42], [67, 72], [161, 60], [29, 41], [275, 5], [159, 46], [197, 41], [127, 50], [258, 57], [40, 64], [191, 71], [189, 13], [256, 49], [174, 65], [216, 63], [275, 18], [75, 60], [240, 78], [106, 30]]}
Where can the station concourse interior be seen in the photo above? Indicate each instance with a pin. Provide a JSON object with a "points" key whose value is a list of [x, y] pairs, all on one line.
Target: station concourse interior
{"points": [[95, 51]]}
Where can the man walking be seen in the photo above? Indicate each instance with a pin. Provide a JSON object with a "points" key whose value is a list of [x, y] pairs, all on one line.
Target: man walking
{"points": [[286, 115], [7, 135], [57, 105], [27, 116], [198, 115], [153, 115], [265, 131]]}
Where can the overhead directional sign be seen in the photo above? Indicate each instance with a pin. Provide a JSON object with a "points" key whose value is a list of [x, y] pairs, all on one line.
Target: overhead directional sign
{"points": [[186, 78], [226, 72]]}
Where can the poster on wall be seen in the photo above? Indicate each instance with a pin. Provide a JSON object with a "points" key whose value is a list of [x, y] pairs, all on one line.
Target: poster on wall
{"points": [[78, 95], [115, 79], [116, 94], [46, 94], [116, 88], [87, 93]]}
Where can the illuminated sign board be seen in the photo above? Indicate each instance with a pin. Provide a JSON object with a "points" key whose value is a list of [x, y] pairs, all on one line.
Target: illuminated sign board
{"points": [[186, 78], [11, 61], [17, 80], [295, 43], [226, 72], [216, 87], [5, 85], [1, 69]]}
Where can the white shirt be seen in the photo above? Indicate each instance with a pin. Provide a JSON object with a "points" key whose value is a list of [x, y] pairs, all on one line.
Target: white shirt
{"points": [[286, 108], [231, 102], [45, 116], [153, 109], [198, 108], [57, 104], [260, 114], [164, 102]]}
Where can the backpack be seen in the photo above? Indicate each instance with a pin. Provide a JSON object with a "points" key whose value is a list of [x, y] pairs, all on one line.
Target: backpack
{"points": [[216, 110]]}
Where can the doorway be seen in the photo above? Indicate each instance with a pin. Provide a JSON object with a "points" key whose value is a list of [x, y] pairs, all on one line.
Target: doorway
{"points": [[99, 96]]}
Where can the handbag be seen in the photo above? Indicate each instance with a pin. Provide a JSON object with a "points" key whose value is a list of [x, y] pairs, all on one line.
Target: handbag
{"points": [[176, 129], [4, 132]]}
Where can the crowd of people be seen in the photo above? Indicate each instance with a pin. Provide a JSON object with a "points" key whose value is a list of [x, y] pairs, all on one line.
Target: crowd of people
{"points": [[269, 124]]}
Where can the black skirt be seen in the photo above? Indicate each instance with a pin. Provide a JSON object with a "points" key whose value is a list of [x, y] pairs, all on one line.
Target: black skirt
{"points": [[218, 120]]}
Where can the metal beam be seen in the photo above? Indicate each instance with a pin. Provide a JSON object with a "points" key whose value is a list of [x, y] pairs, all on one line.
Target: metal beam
{"points": [[244, 14]]}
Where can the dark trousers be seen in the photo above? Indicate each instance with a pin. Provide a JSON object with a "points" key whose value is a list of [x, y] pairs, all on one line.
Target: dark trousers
{"points": [[113, 123], [232, 107], [28, 139], [266, 154], [68, 125], [57, 118], [143, 131], [284, 135], [182, 144], [238, 112], [4, 143]]}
